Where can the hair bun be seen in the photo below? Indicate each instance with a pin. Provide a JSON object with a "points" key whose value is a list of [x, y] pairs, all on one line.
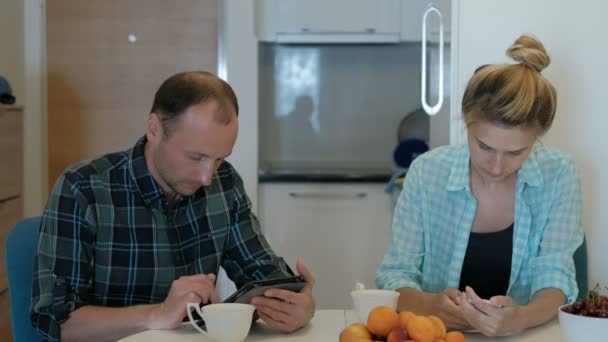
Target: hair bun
{"points": [[530, 52]]}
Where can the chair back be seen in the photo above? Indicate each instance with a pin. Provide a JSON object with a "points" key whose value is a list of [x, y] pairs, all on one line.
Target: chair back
{"points": [[21, 246], [580, 265]]}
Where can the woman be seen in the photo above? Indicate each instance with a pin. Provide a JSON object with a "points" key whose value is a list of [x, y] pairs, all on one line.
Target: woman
{"points": [[497, 219]]}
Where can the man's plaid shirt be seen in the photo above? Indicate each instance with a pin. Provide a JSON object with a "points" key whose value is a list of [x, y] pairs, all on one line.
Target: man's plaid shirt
{"points": [[108, 239]]}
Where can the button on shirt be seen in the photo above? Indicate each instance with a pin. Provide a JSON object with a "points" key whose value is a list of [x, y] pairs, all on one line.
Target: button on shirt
{"points": [[435, 211], [107, 238]]}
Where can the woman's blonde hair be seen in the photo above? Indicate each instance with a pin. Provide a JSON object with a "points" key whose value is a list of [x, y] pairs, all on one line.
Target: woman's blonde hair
{"points": [[513, 94]]}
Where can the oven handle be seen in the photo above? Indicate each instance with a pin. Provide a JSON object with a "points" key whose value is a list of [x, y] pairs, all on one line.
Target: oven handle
{"points": [[326, 195]]}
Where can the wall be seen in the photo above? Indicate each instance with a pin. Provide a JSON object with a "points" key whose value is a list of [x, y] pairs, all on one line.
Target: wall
{"points": [[21, 59], [23, 56], [240, 54], [574, 41], [35, 120]]}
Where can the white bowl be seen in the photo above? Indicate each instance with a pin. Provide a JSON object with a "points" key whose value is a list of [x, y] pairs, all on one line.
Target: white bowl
{"points": [[582, 328]]}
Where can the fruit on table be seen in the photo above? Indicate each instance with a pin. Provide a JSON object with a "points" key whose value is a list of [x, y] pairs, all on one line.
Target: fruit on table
{"points": [[354, 333], [381, 320], [404, 317], [385, 324], [421, 329], [398, 334], [440, 330], [592, 305], [454, 336]]}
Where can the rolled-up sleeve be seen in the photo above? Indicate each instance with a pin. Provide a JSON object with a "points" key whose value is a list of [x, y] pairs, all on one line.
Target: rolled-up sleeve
{"points": [[62, 270], [402, 263], [553, 267]]}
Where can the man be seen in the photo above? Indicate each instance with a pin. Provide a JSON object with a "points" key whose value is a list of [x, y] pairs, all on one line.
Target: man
{"points": [[128, 239]]}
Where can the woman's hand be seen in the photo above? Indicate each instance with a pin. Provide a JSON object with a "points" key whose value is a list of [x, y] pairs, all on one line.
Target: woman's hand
{"points": [[447, 309], [500, 316]]}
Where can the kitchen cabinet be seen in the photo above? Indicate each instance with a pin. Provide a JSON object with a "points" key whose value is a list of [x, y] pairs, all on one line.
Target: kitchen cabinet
{"points": [[340, 231], [5, 317], [314, 21], [11, 169], [412, 12], [11, 147], [361, 21]]}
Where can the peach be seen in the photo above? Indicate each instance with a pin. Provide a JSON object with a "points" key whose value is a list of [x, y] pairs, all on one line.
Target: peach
{"points": [[421, 329], [381, 320], [404, 317], [397, 335], [440, 330], [354, 333], [454, 336]]}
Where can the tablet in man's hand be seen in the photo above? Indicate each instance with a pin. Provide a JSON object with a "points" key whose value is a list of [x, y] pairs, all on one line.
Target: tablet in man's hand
{"points": [[258, 287]]}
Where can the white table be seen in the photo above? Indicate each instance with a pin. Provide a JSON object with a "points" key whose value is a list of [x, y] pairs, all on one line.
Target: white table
{"points": [[326, 326]]}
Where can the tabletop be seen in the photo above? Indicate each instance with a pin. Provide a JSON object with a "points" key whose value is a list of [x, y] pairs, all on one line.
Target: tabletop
{"points": [[326, 326]]}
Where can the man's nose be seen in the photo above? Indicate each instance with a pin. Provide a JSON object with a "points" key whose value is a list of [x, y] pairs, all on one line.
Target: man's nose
{"points": [[206, 173]]}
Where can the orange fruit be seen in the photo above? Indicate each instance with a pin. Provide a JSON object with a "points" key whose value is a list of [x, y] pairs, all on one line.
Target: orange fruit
{"points": [[421, 329], [397, 335], [404, 317], [355, 332], [454, 336], [381, 320], [440, 331]]}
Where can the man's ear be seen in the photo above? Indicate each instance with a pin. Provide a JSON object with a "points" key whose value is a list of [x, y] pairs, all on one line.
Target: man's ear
{"points": [[154, 128]]}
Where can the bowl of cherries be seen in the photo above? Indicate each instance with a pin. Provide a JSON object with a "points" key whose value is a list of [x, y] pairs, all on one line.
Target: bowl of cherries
{"points": [[586, 319]]}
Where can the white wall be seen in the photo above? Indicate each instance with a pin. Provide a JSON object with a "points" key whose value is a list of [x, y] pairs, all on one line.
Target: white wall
{"points": [[35, 165], [241, 57], [573, 35], [21, 52]]}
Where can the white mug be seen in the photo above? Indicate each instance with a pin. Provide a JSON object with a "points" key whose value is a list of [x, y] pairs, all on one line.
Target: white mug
{"points": [[365, 300], [226, 322]]}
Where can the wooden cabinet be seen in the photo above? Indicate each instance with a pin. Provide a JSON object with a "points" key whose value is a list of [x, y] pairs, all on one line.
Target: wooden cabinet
{"points": [[11, 119], [11, 170], [340, 231], [5, 318]]}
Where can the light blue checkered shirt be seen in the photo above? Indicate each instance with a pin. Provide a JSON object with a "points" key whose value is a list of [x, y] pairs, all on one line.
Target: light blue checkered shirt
{"points": [[435, 212]]}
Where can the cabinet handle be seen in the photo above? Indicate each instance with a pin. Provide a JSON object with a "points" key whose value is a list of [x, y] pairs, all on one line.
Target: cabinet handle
{"points": [[5, 200], [7, 110], [325, 31], [324, 195], [427, 108]]}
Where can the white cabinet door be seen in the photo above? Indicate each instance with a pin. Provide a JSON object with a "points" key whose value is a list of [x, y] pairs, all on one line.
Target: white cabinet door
{"points": [[327, 21], [340, 231], [412, 12]]}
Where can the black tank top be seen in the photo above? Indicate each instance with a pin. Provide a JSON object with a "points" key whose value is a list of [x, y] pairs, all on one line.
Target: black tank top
{"points": [[487, 263]]}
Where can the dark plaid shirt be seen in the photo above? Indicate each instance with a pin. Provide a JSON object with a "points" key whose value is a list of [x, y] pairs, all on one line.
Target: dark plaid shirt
{"points": [[107, 238]]}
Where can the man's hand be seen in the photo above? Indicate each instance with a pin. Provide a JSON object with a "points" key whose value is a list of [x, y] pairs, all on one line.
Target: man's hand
{"points": [[286, 310], [447, 309], [198, 288], [501, 316]]}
